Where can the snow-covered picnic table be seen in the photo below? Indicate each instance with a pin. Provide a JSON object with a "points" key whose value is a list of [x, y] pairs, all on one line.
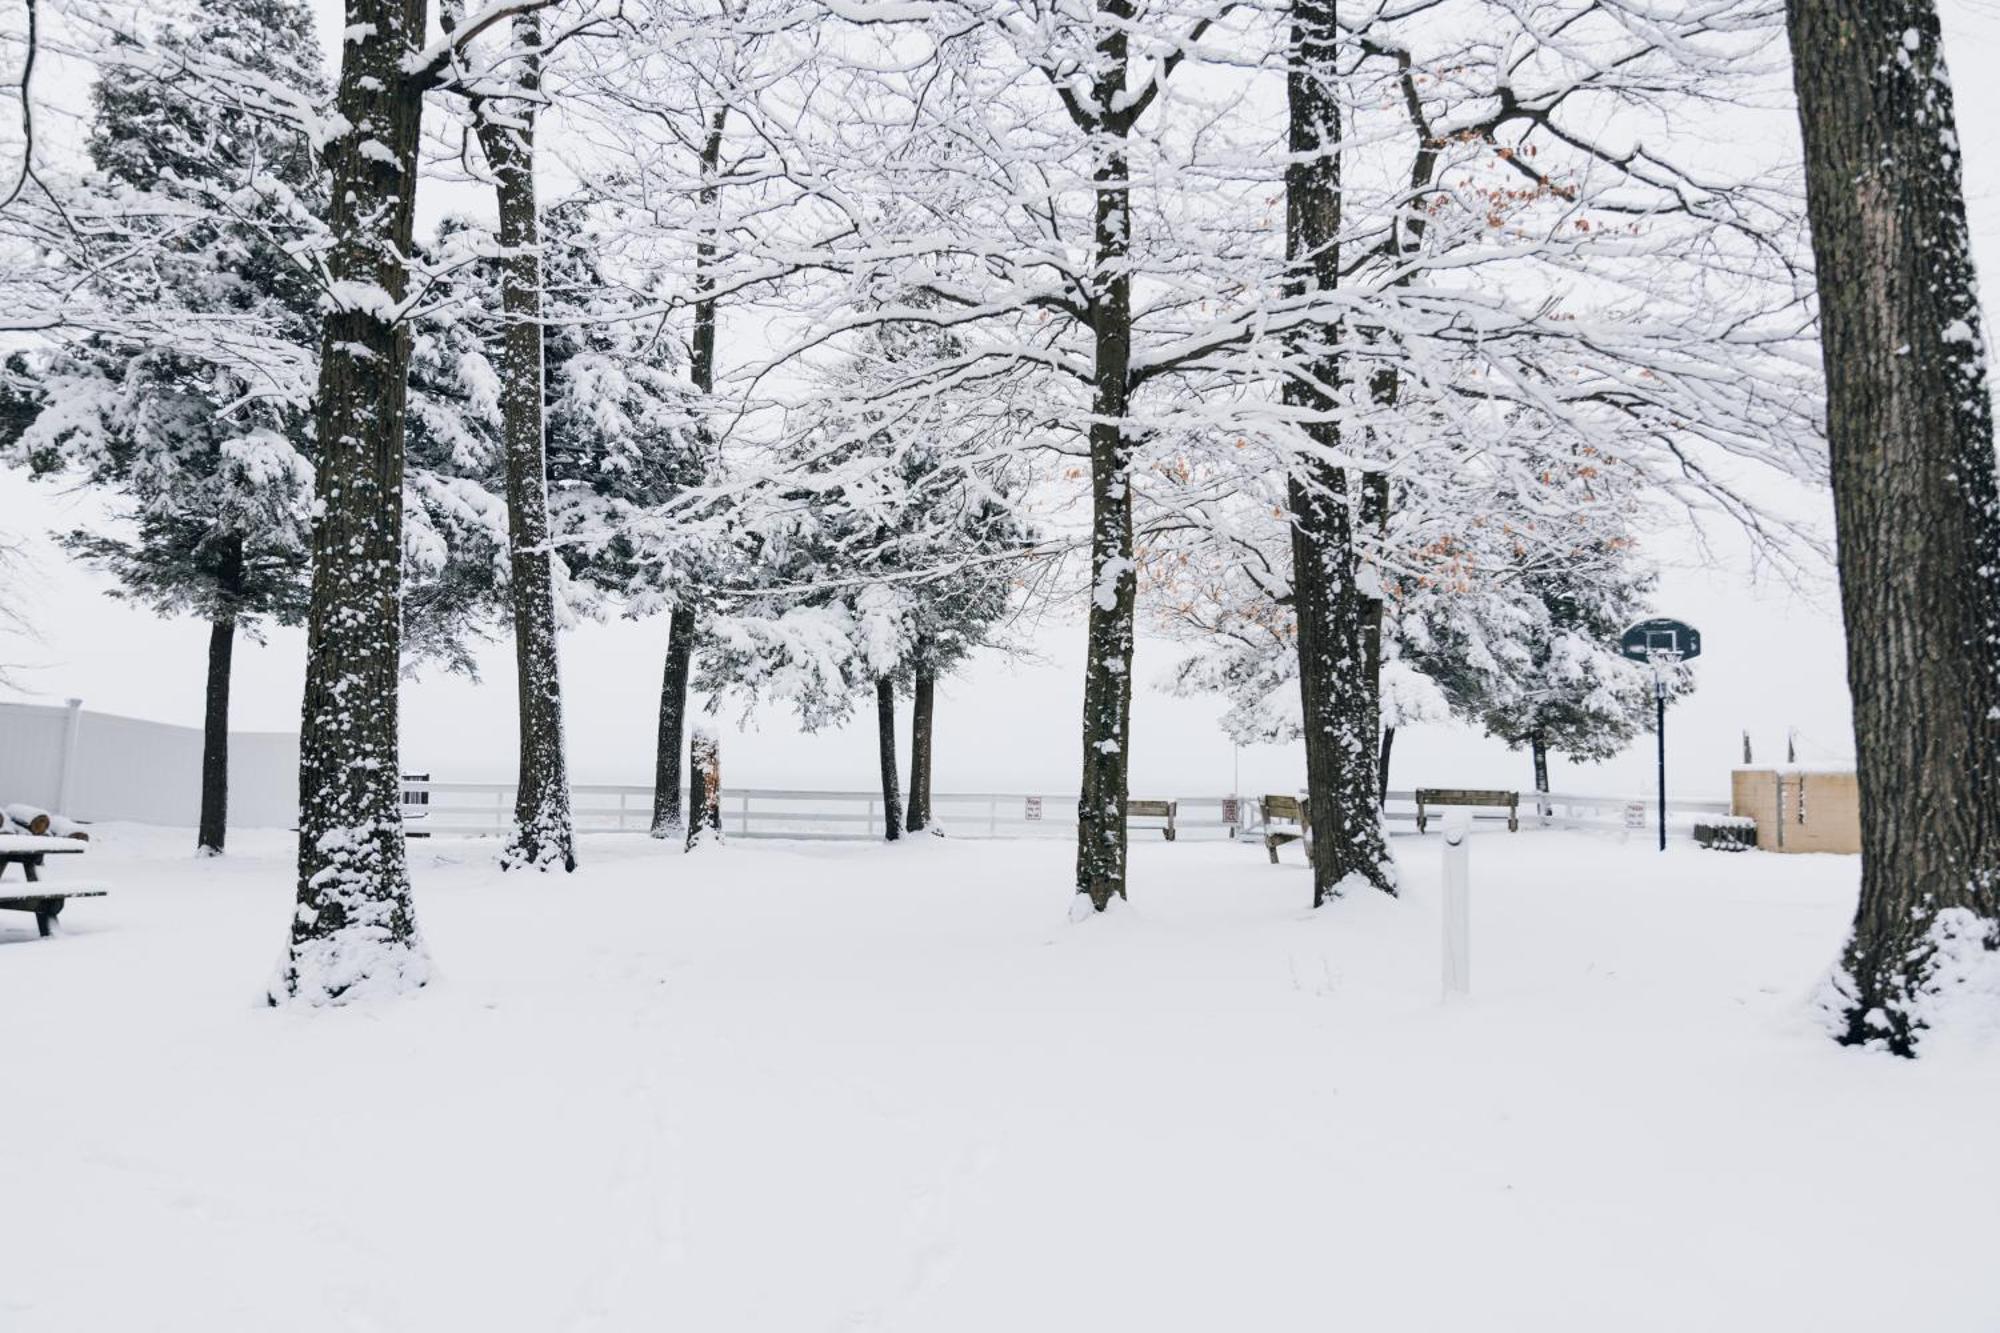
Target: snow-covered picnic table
{"points": [[26, 851]]}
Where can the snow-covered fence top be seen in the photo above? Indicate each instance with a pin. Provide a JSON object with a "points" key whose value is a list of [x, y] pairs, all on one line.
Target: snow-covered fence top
{"points": [[486, 808]]}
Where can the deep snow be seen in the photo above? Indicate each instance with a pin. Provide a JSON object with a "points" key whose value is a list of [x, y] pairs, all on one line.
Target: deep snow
{"points": [[780, 1087]]}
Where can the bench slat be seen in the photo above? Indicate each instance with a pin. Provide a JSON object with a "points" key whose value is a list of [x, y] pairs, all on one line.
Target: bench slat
{"points": [[1466, 796]]}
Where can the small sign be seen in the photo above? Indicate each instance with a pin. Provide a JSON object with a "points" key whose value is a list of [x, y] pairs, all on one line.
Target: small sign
{"points": [[1034, 808], [1635, 814], [1673, 640], [1232, 809]]}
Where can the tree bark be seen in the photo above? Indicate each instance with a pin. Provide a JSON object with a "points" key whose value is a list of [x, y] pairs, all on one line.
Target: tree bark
{"points": [[885, 732], [1382, 768], [923, 701], [355, 930], [704, 788], [1339, 696], [1107, 680], [1916, 504], [681, 629], [673, 723], [544, 834], [1539, 746], [214, 825]]}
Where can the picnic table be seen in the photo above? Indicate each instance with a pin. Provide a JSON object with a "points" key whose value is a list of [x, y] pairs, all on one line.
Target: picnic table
{"points": [[26, 850]]}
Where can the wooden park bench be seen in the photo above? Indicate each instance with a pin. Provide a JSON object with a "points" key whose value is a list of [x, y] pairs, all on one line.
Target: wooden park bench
{"points": [[27, 851], [1291, 809], [1154, 810], [1510, 801]]}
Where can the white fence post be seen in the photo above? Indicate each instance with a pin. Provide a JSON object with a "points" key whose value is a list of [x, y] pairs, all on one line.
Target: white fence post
{"points": [[66, 771], [1457, 905]]}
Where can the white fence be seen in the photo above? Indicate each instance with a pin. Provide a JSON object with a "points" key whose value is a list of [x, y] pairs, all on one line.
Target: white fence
{"points": [[100, 766], [486, 809]]}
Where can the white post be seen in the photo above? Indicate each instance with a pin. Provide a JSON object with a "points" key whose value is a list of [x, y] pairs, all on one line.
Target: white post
{"points": [[66, 773], [1457, 904]]}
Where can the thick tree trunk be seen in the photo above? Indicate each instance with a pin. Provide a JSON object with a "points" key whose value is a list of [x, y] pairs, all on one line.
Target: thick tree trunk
{"points": [[1382, 767], [923, 701], [1540, 748], [681, 630], [214, 826], [544, 833], [673, 723], [1336, 687], [885, 733], [1916, 504], [355, 930]]}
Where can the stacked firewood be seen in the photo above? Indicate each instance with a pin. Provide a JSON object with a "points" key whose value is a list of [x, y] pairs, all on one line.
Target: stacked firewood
{"points": [[34, 820]]}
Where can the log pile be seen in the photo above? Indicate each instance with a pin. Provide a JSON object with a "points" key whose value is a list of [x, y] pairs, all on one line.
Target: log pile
{"points": [[33, 820]]}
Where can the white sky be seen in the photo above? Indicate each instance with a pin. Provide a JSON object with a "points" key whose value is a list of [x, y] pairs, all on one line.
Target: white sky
{"points": [[1773, 655]]}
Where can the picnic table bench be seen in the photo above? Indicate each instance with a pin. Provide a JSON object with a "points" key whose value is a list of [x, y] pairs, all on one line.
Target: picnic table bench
{"points": [[27, 851], [1292, 809], [1154, 810], [1507, 800]]}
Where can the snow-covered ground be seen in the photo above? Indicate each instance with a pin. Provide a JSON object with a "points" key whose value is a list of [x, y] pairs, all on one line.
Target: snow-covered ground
{"points": [[787, 1088]]}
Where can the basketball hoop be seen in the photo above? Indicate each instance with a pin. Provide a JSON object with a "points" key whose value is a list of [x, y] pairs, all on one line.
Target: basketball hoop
{"points": [[1663, 644]]}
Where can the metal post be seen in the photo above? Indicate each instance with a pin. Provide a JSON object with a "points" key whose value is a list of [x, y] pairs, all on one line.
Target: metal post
{"points": [[1457, 904], [1660, 730]]}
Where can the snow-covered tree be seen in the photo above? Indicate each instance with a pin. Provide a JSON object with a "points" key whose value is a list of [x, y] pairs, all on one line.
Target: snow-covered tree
{"points": [[208, 468], [355, 930], [1578, 696], [504, 124], [885, 553], [1916, 504]]}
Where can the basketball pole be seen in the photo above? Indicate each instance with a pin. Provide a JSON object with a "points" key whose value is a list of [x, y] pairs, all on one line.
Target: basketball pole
{"points": [[1660, 731]]}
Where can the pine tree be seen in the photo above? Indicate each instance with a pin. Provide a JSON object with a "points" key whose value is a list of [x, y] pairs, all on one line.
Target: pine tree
{"points": [[1575, 694], [211, 469], [626, 450], [886, 550]]}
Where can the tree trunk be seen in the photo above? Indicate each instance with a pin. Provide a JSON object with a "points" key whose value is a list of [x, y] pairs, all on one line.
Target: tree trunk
{"points": [[355, 930], [681, 629], [214, 826], [1382, 768], [1339, 697], [544, 834], [1916, 504], [704, 788], [1107, 680], [1540, 748], [885, 732], [673, 723], [923, 700]]}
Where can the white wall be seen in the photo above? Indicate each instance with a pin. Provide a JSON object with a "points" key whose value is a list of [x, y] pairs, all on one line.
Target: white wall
{"points": [[147, 772]]}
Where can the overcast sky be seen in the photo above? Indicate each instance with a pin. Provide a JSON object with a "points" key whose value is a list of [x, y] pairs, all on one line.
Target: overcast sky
{"points": [[1772, 656]]}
